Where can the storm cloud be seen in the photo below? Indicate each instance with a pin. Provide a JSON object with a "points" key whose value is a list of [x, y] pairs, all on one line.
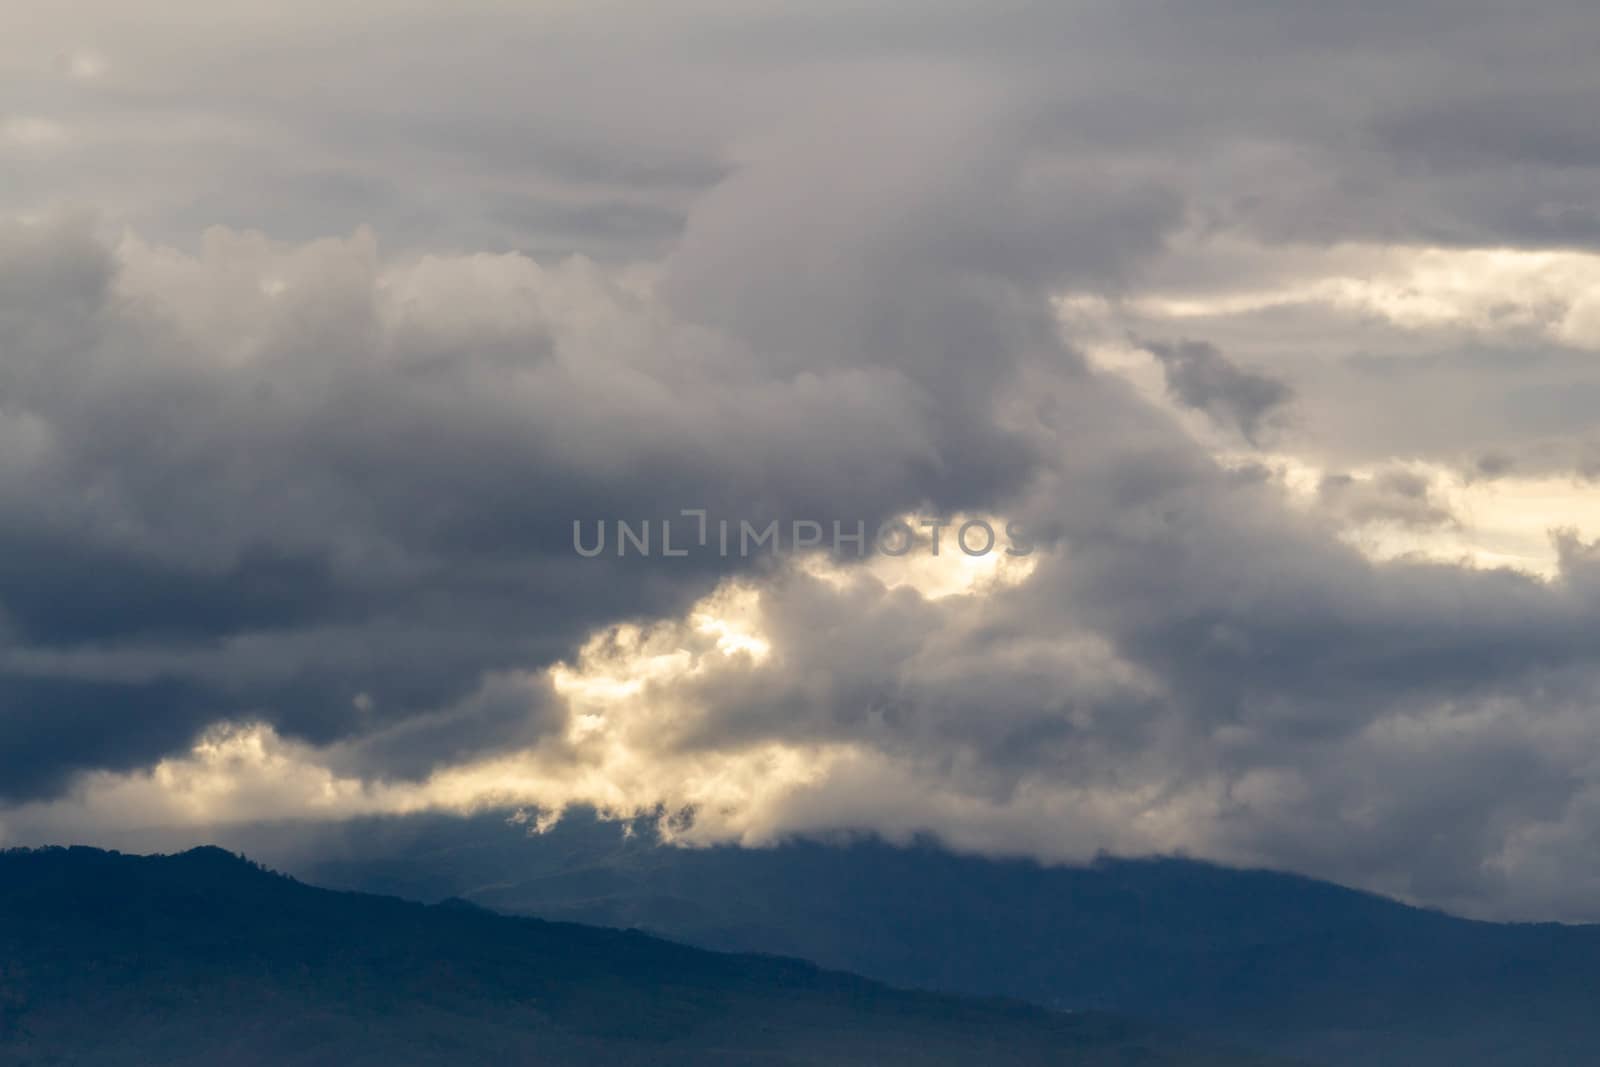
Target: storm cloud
{"points": [[315, 342]]}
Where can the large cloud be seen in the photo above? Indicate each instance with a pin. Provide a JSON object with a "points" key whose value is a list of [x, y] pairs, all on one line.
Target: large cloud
{"points": [[287, 521], [296, 475]]}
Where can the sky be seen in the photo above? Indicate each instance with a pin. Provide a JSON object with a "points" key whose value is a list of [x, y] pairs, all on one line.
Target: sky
{"points": [[1274, 326]]}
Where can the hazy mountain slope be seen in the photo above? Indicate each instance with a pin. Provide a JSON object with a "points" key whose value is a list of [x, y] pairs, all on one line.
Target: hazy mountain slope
{"points": [[203, 958], [1285, 962]]}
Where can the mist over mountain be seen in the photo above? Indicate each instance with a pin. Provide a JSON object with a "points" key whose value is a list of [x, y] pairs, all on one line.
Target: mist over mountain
{"points": [[206, 958], [1287, 963]]}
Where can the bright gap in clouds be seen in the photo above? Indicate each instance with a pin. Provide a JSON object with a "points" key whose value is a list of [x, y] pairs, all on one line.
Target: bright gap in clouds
{"points": [[1413, 287], [1447, 295]]}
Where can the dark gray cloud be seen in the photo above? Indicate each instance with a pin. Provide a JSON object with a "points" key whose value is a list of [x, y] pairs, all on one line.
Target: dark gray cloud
{"points": [[306, 442], [1201, 377], [52, 728]]}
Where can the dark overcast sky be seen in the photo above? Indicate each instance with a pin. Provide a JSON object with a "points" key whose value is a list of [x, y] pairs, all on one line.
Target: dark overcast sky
{"points": [[1278, 324]]}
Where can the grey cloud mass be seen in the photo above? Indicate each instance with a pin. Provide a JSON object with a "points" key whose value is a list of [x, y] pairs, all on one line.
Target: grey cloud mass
{"points": [[317, 333], [1203, 378]]}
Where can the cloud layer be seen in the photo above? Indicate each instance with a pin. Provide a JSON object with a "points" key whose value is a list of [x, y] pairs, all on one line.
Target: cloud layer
{"points": [[1285, 365]]}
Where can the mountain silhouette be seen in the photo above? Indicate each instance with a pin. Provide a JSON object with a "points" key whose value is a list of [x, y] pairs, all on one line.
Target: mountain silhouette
{"points": [[206, 958], [1281, 962]]}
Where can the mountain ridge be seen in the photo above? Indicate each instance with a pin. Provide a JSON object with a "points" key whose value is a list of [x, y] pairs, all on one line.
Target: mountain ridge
{"points": [[1285, 962], [205, 957]]}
